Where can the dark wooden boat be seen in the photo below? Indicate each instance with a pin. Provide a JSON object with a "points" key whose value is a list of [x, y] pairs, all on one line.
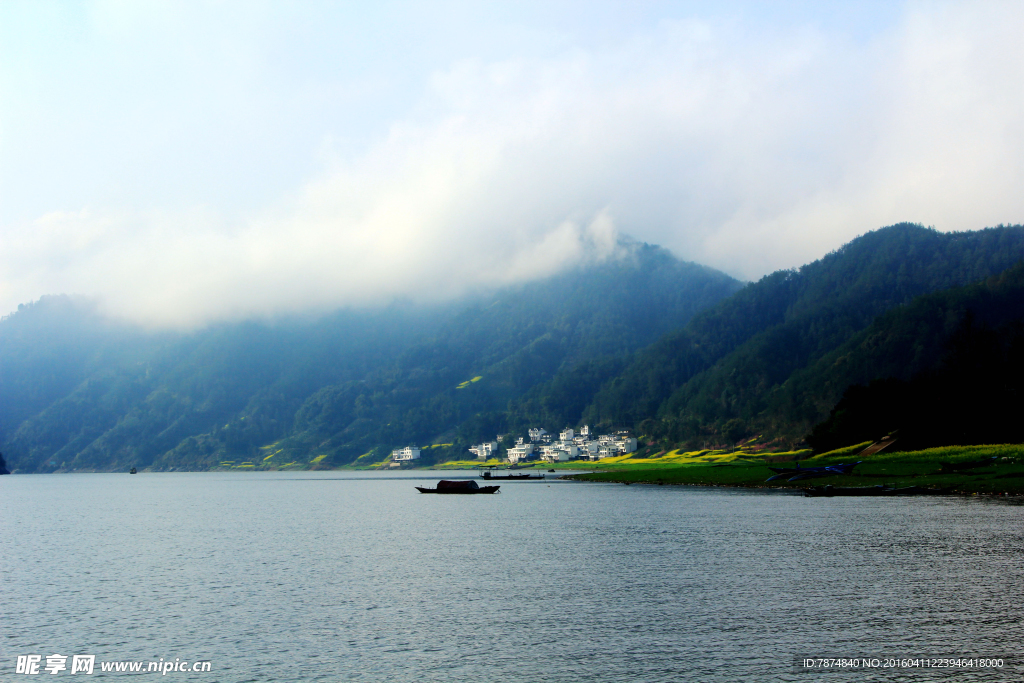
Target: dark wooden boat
{"points": [[463, 487], [489, 476], [880, 490]]}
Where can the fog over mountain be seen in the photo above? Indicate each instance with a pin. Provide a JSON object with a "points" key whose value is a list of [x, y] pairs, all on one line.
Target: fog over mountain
{"points": [[82, 393], [677, 353], [192, 162]]}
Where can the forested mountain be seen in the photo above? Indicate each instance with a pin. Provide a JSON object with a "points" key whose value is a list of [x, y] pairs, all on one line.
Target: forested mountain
{"points": [[682, 354], [81, 393], [946, 369], [752, 364]]}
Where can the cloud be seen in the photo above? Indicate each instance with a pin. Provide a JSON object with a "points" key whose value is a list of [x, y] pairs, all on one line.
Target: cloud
{"points": [[739, 145]]}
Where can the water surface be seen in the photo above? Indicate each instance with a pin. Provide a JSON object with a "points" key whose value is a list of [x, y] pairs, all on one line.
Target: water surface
{"points": [[356, 576]]}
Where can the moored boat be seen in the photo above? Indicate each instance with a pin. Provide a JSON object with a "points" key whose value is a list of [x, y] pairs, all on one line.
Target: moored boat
{"points": [[463, 487], [488, 475]]}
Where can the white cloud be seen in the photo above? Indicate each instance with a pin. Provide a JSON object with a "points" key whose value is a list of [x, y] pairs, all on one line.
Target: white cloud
{"points": [[746, 147]]}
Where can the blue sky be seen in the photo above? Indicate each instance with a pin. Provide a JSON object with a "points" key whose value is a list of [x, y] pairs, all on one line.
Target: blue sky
{"points": [[190, 162]]}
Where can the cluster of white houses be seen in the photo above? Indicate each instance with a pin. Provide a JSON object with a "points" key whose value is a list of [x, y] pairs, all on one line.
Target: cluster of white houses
{"points": [[570, 445]]}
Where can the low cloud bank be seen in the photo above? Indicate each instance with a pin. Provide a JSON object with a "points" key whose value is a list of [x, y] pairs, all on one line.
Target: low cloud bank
{"points": [[743, 150]]}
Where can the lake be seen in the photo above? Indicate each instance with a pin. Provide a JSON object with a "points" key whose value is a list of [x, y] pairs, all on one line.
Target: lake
{"points": [[339, 576]]}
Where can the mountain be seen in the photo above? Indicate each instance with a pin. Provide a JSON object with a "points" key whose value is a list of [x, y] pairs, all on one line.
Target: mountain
{"points": [[745, 366], [946, 369], [83, 393], [842, 348]]}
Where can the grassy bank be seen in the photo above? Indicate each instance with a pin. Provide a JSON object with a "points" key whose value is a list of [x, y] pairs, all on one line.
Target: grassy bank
{"points": [[917, 468]]}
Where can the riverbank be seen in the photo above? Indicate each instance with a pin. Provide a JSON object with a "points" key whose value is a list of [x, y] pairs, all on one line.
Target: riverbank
{"points": [[1002, 473]]}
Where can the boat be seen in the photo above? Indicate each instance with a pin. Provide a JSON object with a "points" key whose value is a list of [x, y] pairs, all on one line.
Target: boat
{"points": [[799, 473], [133, 471], [488, 475], [880, 490], [463, 487]]}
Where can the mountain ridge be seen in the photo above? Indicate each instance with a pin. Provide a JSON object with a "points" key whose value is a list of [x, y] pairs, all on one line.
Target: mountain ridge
{"points": [[678, 353], [338, 387], [725, 363]]}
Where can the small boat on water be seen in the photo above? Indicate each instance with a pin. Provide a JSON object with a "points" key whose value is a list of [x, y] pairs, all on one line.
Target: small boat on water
{"points": [[463, 487], [488, 475], [880, 490], [133, 471]]}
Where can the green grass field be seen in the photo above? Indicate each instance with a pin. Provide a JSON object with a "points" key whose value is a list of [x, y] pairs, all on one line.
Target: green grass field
{"points": [[918, 468], [748, 468]]}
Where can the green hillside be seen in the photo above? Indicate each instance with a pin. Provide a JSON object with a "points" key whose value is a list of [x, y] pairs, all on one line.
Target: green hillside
{"points": [[1001, 470], [746, 366], [904, 328], [88, 394], [946, 369]]}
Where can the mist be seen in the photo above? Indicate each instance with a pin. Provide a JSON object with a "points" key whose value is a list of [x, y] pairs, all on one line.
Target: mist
{"points": [[185, 164]]}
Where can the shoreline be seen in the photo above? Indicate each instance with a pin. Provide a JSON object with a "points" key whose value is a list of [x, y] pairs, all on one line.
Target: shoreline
{"points": [[995, 469], [964, 470]]}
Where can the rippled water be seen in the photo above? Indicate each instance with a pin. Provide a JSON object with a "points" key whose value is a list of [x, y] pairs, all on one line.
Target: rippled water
{"points": [[329, 576]]}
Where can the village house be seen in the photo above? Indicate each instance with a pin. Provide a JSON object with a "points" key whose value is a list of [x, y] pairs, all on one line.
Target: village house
{"points": [[609, 446], [485, 450], [521, 451], [560, 451], [405, 454], [572, 445]]}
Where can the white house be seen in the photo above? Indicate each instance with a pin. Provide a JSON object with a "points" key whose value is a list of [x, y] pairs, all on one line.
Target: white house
{"points": [[572, 444], [521, 451], [407, 453], [611, 446], [555, 455], [559, 451], [484, 450]]}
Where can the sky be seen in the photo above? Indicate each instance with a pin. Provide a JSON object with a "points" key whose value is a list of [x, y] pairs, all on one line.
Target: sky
{"points": [[191, 162]]}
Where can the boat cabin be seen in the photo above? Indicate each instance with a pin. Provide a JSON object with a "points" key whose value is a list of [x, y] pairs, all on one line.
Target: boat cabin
{"points": [[445, 485]]}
